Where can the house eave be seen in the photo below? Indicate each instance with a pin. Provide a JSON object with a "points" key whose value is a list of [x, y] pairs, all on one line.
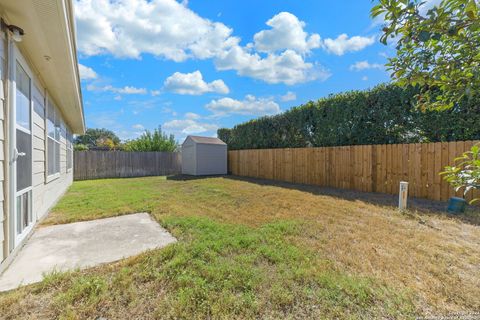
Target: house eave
{"points": [[49, 45]]}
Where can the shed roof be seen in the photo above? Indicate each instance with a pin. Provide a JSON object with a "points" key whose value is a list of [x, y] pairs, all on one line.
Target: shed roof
{"points": [[205, 140]]}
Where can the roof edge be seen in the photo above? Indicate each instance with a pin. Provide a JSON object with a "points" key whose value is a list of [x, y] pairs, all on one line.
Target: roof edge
{"points": [[70, 10]]}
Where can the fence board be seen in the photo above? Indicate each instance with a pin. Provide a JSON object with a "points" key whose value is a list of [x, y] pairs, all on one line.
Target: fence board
{"points": [[367, 168], [118, 164]]}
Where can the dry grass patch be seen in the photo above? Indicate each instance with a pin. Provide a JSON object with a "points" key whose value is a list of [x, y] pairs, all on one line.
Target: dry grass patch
{"points": [[249, 250]]}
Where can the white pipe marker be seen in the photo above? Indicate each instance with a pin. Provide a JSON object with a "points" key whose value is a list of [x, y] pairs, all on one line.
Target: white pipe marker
{"points": [[403, 195]]}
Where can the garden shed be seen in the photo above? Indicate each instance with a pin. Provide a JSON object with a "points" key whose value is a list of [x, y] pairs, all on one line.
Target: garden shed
{"points": [[204, 156]]}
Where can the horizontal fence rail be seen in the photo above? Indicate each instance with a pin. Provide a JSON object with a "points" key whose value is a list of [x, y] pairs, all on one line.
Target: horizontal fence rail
{"points": [[369, 168], [119, 164]]}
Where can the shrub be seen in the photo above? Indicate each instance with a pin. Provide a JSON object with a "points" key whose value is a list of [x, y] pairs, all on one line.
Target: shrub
{"points": [[465, 173], [80, 147], [385, 114]]}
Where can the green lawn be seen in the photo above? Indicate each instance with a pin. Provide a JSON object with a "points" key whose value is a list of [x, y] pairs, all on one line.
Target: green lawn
{"points": [[248, 250]]}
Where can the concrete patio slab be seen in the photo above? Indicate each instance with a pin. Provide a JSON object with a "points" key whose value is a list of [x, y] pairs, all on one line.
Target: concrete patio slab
{"points": [[82, 245]]}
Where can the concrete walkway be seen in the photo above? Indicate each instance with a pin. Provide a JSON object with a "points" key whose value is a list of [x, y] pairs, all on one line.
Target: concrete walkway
{"points": [[82, 245]]}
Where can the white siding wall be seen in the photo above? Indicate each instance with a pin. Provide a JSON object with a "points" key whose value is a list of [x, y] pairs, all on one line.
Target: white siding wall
{"points": [[211, 159], [188, 158], [38, 168], [46, 191], [3, 225]]}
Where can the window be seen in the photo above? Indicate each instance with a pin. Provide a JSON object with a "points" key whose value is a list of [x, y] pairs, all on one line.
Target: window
{"points": [[53, 139], [2, 63], [69, 143], [23, 149], [23, 129], [22, 98], [38, 102]]}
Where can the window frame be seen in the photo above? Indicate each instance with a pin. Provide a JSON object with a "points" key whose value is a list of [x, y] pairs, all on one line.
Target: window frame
{"points": [[69, 150], [56, 139]]}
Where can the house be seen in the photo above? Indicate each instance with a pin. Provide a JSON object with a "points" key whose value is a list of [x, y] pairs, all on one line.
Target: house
{"points": [[204, 156], [40, 109]]}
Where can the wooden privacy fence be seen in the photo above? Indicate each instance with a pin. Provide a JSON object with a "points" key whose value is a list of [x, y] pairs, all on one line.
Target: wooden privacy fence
{"points": [[369, 168], [119, 164]]}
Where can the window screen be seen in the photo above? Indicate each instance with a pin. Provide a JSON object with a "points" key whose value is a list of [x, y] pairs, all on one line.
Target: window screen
{"points": [[57, 157], [53, 139], [51, 120], [24, 211], [38, 102], [22, 97], [24, 161], [51, 156], [69, 143], [2, 67], [2, 61]]}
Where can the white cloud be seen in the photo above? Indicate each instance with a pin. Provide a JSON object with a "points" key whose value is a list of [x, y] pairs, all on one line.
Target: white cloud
{"points": [[289, 96], [171, 30], [286, 33], [192, 116], [86, 73], [384, 55], [364, 78], [169, 110], [128, 134], [193, 84], [363, 65], [168, 29], [130, 90], [284, 61], [138, 127], [163, 28], [155, 93], [188, 126], [288, 67], [249, 106], [124, 90], [343, 44]]}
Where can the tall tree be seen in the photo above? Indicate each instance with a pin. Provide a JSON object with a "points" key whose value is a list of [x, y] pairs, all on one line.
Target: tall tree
{"points": [[437, 48], [98, 138], [152, 141]]}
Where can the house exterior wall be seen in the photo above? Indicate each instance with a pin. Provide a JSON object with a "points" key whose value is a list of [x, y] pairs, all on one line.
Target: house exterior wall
{"points": [[46, 190], [211, 159]]}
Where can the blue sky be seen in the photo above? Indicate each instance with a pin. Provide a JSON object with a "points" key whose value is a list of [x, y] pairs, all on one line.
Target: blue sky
{"points": [[194, 66]]}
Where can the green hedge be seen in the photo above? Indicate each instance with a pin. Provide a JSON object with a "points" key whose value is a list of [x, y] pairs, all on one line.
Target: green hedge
{"points": [[385, 114]]}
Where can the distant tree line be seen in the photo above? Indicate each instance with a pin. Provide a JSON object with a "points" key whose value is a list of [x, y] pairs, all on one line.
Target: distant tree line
{"points": [[386, 114], [104, 139]]}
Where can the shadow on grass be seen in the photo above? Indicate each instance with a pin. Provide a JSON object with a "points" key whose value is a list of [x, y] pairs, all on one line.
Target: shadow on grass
{"points": [[420, 206], [186, 177]]}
